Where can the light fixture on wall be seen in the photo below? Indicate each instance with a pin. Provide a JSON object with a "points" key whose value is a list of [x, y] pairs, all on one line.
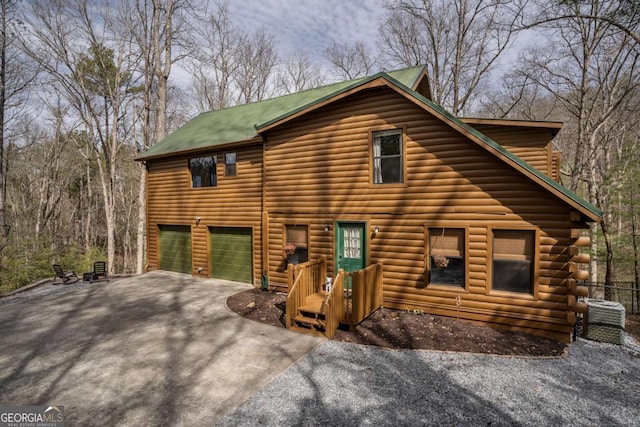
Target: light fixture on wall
{"points": [[198, 219], [326, 228], [376, 230]]}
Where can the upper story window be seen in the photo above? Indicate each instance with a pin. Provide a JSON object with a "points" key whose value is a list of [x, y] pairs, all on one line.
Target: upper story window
{"points": [[513, 261], [203, 171], [446, 264], [387, 157], [230, 160]]}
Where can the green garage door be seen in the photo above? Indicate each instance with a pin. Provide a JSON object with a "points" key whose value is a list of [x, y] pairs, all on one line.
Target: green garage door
{"points": [[230, 253], [175, 248]]}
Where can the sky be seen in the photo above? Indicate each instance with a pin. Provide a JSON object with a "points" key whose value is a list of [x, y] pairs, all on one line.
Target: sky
{"points": [[310, 24]]}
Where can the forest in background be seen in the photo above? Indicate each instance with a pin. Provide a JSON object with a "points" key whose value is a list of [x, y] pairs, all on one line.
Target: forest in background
{"points": [[86, 85]]}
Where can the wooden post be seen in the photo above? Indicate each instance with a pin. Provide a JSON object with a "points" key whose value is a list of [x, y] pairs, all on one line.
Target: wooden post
{"points": [[290, 277]]}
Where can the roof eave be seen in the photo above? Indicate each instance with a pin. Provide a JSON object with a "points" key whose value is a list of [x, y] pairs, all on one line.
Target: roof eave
{"points": [[201, 150], [513, 122]]}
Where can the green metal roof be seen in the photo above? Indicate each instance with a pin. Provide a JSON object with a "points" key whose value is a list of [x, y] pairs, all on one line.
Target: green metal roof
{"points": [[239, 123], [236, 124]]}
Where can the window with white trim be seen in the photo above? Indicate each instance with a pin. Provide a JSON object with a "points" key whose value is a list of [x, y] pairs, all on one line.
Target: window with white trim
{"points": [[387, 157]]}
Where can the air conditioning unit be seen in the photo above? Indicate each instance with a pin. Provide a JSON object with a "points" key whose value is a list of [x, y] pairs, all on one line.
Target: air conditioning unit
{"points": [[605, 321]]}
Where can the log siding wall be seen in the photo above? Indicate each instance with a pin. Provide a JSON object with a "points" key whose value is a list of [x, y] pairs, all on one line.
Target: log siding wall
{"points": [[235, 202], [318, 171], [530, 144]]}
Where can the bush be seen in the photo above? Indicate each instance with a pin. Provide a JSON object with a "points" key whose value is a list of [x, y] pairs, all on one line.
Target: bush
{"points": [[22, 266]]}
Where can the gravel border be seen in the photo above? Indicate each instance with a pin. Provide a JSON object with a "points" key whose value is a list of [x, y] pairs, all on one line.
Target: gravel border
{"points": [[343, 384]]}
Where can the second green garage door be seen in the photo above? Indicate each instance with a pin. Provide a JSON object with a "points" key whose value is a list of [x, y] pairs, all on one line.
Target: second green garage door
{"points": [[230, 253]]}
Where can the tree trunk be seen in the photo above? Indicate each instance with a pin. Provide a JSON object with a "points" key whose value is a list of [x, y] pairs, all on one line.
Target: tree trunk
{"points": [[4, 228], [636, 258], [157, 69], [142, 221], [609, 274]]}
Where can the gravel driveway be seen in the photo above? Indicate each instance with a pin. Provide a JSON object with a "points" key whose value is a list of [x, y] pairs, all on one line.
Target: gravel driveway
{"points": [[336, 384], [341, 384]]}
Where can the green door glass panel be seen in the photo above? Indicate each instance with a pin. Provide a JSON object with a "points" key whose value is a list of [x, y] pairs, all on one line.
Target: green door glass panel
{"points": [[175, 248], [351, 247], [230, 254]]}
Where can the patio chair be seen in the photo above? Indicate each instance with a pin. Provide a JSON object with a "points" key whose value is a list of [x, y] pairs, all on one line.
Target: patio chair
{"points": [[66, 277], [99, 270]]}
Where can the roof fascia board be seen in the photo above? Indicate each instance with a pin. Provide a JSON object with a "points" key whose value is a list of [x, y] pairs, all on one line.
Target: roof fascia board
{"points": [[202, 150], [509, 122]]}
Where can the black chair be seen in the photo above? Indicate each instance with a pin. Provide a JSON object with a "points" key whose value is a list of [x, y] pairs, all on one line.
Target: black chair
{"points": [[99, 271], [66, 277]]}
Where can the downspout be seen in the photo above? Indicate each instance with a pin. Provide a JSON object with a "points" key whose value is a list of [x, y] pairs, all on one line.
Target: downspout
{"points": [[265, 222]]}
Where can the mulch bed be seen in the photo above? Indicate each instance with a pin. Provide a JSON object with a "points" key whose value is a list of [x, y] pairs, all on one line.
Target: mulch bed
{"points": [[406, 329]]}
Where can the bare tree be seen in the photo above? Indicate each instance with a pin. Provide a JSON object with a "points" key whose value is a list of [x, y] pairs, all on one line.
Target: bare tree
{"points": [[96, 78], [256, 60], [592, 71], [460, 41], [231, 65], [214, 60], [298, 72], [16, 75], [155, 36], [350, 61], [621, 14]]}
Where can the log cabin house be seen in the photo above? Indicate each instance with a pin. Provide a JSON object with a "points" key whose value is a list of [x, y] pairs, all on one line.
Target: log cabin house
{"points": [[467, 215]]}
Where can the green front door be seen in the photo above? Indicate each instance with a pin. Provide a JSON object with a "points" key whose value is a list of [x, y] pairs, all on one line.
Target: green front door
{"points": [[175, 248], [351, 246], [230, 253]]}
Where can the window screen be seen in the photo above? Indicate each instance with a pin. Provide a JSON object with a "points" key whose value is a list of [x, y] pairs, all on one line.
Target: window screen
{"points": [[446, 256], [513, 252], [296, 245]]}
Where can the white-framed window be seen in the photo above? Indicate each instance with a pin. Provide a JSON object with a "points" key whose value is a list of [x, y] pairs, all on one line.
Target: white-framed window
{"points": [[387, 159]]}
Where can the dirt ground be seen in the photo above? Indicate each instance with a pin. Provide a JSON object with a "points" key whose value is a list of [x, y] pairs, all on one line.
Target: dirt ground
{"points": [[406, 329], [632, 325]]}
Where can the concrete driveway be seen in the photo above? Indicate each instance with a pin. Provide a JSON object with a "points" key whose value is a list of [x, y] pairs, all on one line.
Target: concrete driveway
{"points": [[156, 349]]}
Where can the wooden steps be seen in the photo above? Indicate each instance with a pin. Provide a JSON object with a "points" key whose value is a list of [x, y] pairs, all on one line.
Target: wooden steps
{"points": [[314, 303], [310, 318]]}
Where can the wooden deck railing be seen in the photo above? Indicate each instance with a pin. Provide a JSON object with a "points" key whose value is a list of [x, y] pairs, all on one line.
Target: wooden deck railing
{"points": [[303, 279], [335, 305], [365, 294], [353, 296]]}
